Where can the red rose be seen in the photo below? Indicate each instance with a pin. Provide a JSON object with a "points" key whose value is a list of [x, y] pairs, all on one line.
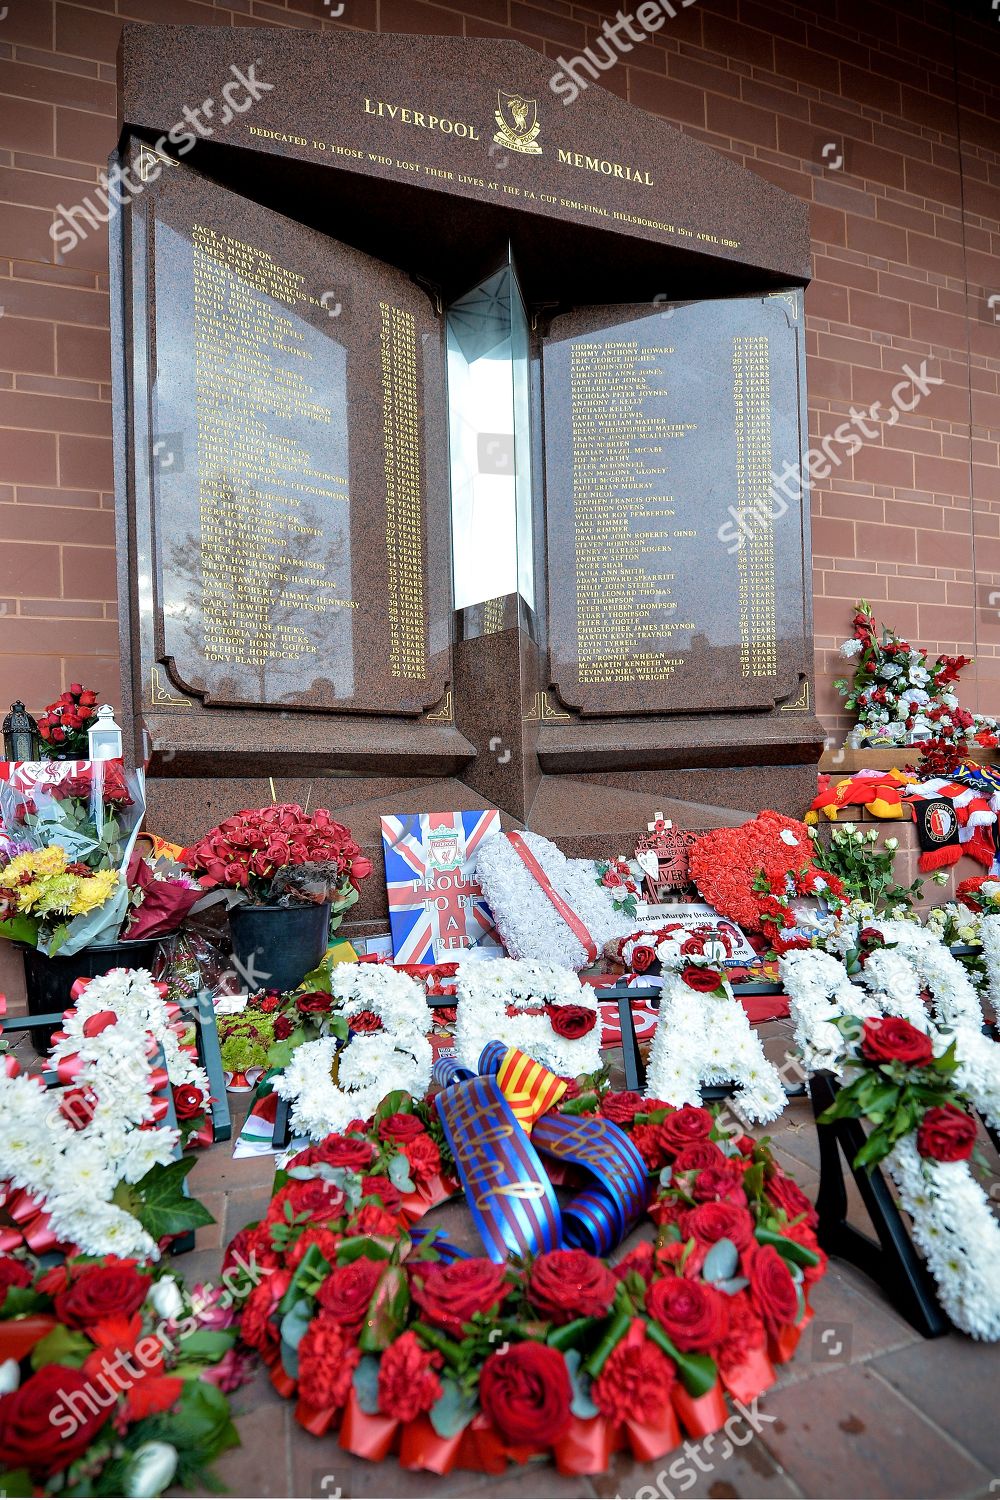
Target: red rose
{"points": [[692, 1314], [361, 868], [326, 1364], [423, 1156], [723, 1182], [400, 1128], [365, 1021], [347, 1292], [946, 1133], [869, 935], [639, 1260], [315, 1003], [772, 1288], [710, 1222], [321, 1200], [449, 1295], [188, 1101], [643, 958], [407, 1384], [635, 1378], [27, 1432], [257, 1327], [526, 1393], [377, 1186], [283, 1028], [338, 1151], [12, 1273], [702, 980], [572, 1021], [697, 1157], [891, 1039], [113, 1289], [684, 1127], [787, 1195], [568, 1284], [269, 1003]]}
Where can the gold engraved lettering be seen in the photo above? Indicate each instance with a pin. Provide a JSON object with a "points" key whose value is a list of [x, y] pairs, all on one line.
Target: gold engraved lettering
{"points": [[404, 493], [260, 493], [627, 545], [757, 602]]}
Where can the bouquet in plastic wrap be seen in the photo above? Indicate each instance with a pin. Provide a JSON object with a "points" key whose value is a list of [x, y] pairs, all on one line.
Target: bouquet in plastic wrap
{"points": [[67, 834]]}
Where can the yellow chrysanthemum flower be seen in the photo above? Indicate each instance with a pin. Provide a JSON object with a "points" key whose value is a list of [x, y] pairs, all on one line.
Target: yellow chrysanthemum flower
{"points": [[50, 861], [93, 891]]}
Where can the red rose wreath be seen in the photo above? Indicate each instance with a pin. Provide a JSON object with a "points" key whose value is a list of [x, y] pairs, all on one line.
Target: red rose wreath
{"points": [[402, 1344]]}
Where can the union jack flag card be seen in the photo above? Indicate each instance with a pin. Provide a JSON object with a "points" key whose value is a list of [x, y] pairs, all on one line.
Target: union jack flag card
{"points": [[435, 903]]}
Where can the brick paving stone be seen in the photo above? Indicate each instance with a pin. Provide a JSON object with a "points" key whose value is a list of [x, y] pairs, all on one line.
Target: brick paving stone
{"points": [[700, 1471], [955, 1379], [853, 1435]]}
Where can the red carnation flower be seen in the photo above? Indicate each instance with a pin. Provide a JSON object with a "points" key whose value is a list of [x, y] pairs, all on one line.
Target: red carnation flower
{"points": [[407, 1382], [635, 1378]]}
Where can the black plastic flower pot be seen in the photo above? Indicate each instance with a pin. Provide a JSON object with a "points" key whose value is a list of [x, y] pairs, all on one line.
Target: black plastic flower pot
{"points": [[275, 947], [48, 981]]}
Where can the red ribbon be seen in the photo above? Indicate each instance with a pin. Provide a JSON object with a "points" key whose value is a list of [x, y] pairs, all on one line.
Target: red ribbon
{"points": [[567, 913], [700, 1414], [753, 1374]]}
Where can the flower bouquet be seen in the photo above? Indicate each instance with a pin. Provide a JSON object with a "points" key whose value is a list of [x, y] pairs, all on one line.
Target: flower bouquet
{"points": [[291, 876], [69, 830], [115, 1376], [63, 726], [406, 1344], [901, 698]]}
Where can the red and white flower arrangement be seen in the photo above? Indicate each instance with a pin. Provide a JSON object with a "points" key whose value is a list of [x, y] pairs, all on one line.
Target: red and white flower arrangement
{"points": [[532, 924], [114, 1377], [470, 1363], [136, 999], [542, 1009], [703, 1036], [754, 873], [88, 1166], [330, 1081], [903, 1080]]}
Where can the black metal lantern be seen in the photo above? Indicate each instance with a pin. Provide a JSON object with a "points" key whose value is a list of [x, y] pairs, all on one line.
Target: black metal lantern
{"points": [[20, 734]]}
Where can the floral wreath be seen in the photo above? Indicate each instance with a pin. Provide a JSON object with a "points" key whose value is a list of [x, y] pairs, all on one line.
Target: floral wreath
{"points": [[638, 951], [135, 998], [379, 1045], [458, 1361], [752, 874], [531, 923], [542, 1009], [88, 1166], [906, 1087], [703, 1036]]}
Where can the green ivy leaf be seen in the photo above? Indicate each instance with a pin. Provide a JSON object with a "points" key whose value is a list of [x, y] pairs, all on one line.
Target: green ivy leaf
{"points": [[162, 1207]]}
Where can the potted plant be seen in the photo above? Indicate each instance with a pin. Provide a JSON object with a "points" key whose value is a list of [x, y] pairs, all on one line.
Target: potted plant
{"points": [[293, 875], [244, 1040]]}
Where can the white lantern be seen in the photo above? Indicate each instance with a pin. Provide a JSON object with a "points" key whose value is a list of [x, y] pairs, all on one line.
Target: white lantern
{"points": [[105, 736]]}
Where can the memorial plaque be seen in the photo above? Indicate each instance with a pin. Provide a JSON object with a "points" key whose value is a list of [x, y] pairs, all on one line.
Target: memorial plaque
{"points": [[295, 385], [675, 572]]}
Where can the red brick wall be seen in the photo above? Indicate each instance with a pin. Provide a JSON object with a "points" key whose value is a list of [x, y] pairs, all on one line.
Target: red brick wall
{"points": [[906, 232]]}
